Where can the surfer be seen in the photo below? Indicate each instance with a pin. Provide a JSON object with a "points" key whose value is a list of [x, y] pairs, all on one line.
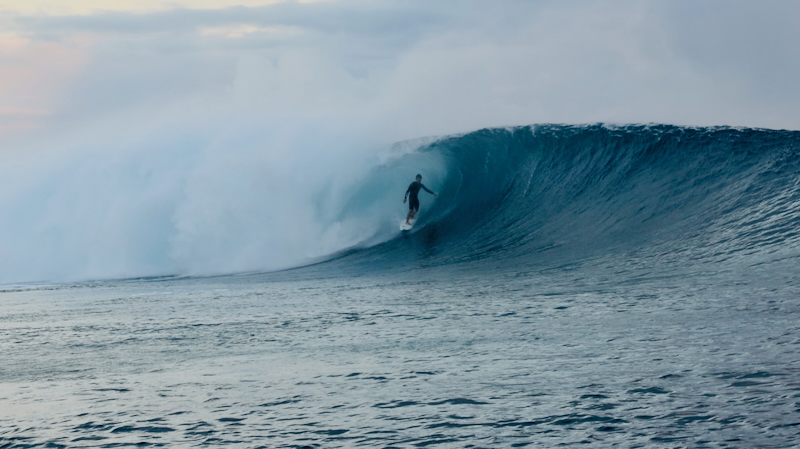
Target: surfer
{"points": [[413, 205]]}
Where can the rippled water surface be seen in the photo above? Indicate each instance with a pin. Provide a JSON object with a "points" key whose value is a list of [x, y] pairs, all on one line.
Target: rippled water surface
{"points": [[442, 360]]}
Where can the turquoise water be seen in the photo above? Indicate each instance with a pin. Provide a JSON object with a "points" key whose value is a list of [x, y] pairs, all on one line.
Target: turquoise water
{"points": [[484, 361]]}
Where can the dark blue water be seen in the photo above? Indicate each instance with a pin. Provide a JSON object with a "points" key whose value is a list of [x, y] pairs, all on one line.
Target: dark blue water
{"points": [[535, 196], [571, 286]]}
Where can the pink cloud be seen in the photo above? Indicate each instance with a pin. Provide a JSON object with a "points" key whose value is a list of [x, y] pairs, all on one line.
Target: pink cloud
{"points": [[34, 76]]}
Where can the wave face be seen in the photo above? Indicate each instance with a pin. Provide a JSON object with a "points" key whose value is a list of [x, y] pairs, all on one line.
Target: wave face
{"points": [[542, 196]]}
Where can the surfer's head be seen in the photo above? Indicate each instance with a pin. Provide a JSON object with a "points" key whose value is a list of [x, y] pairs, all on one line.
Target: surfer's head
{"points": [[419, 177]]}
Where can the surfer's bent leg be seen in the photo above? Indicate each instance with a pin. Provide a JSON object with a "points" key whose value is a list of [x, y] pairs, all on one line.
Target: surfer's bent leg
{"points": [[413, 207]]}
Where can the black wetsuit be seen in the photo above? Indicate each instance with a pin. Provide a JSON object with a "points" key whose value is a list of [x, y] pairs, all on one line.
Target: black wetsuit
{"points": [[413, 189]]}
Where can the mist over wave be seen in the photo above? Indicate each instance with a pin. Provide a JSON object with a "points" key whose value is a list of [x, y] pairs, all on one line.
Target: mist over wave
{"points": [[196, 197]]}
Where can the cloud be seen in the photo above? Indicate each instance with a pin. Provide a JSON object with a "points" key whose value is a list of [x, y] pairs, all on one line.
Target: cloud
{"points": [[34, 77], [678, 62], [346, 18], [87, 7], [744, 44]]}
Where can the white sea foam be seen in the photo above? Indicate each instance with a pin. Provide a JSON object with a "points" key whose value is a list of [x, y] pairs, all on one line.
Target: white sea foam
{"points": [[204, 195]]}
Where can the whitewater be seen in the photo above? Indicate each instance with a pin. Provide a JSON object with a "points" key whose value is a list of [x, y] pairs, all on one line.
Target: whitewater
{"points": [[593, 285]]}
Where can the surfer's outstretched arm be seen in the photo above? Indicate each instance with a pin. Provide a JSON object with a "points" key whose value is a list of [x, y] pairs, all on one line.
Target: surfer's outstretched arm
{"points": [[426, 189]]}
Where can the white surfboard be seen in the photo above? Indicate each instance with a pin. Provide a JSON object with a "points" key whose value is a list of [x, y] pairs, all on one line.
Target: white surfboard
{"points": [[407, 227]]}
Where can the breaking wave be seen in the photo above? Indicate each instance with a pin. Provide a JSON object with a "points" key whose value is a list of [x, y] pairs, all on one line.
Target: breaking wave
{"points": [[540, 196], [526, 197]]}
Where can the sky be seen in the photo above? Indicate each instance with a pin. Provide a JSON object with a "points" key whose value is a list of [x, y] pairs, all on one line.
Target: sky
{"points": [[124, 123], [419, 67]]}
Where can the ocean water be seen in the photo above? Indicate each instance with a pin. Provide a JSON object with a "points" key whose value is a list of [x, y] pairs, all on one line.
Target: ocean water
{"points": [[586, 286]]}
